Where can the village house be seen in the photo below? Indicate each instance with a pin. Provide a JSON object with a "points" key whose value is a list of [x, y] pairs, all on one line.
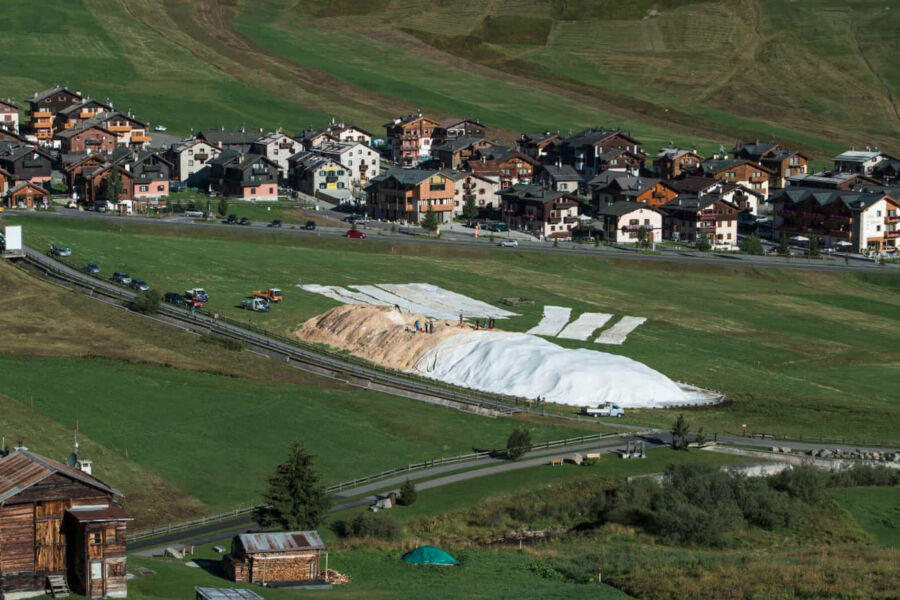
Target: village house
{"points": [[318, 176], [276, 558], [27, 195], [781, 161], [95, 183], [591, 151], [12, 138], [26, 163], [277, 147], [239, 141], [830, 180], [43, 107], [60, 528], [694, 185], [688, 219], [504, 166], [86, 138], [887, 171], [339, 132], [861, 162], [538, 145], [869, 222], [363, 161], [150, 175], [247, 176], [9, 115], [481, 190], [311, 139], [452, 129], [672, 163], [622, 222], [544, 213], [73, 165], [129, 131], [647, 190], [78, 113], [562, 178], [456, 153], [410, 138], [738, 170], [407, 194], [191, 160]]}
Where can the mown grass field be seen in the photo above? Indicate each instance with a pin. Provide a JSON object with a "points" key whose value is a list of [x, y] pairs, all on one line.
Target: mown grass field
{"points": [[800, 353]]}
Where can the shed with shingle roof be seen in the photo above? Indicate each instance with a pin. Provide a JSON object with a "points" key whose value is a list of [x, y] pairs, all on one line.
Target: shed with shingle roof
{"points": [[276, 557]]}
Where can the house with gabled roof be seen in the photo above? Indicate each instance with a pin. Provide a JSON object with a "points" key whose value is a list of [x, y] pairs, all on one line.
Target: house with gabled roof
{"points": [[277, 147], [26, 194], [129, 130], [408, 194], [456, 153], [830, 180], [538, 145], [73, 165], [363, 161], [78, 113], [191, 160], [276, 558], [563, 178], [9, 115], [861, 162], [621, 222], [150, 175], [482, 191], [672, 163], [341, 132], [247, 176], [239, 141], [542, 212], [647, 190], [591, 150], [43, 107], [687, 219], [506, 167], [869, 221], [60, 526], [410, 138], [86, 138], [738, 170], [783, 162], [319, 176], [26, 163], [455, 128]]}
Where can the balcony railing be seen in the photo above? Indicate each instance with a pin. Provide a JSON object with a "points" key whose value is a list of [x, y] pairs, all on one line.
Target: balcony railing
{"points": [[892, 234], [707, 216], [140, 138], [41, 113], [892, 219]]}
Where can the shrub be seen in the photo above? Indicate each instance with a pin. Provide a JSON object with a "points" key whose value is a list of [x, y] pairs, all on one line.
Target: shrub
{"points": [[803, 483], [147, 302], [376, 525], [518, 443], [751, 245], [408, 494]]}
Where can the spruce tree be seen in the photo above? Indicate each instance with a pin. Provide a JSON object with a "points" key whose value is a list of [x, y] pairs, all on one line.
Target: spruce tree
{"points": [[680, 430], [470, 211], [703, 244], [113, 187], [518, 443], [783, 248], [752, 245], [408, 493], [295, 498], [431, 220], [223, 206]]}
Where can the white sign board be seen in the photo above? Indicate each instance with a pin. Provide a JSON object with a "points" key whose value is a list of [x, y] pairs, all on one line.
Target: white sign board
{"points": [[13, 236]]}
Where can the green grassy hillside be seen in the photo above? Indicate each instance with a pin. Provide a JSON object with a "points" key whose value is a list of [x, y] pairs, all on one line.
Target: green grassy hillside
{"points": [[817, 74]]}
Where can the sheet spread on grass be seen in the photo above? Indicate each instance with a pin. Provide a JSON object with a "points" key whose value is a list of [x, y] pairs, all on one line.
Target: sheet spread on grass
{"points": [[420, 298], [554, 319], [529, 366], [618, 332], [584, 326]]}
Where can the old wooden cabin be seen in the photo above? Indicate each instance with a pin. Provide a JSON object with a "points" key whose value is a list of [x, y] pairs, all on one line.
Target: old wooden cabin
{"points": [[59, 525], [276, 558]]}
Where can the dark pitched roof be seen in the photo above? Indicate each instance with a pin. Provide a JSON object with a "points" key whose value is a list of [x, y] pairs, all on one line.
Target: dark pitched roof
{"points": [[458, 144], [692, 184], [716, 165], [9, 103], [25, 184], [81, 128], [49, 92], [16, 151], [856, 201], [113, 114], [82, 104], [227, 138], [618, 209], [23, 469], [564, 172], [406, 176], [533, 192]]}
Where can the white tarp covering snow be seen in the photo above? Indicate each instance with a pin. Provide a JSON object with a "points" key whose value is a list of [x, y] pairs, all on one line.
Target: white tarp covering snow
{"points": [[529, 366], [554, 319], [585, 325], [618, 332], [419, 298]]}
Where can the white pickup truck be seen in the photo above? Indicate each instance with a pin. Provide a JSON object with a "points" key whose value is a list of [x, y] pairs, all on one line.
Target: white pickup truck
{"points": [[607, 409]]}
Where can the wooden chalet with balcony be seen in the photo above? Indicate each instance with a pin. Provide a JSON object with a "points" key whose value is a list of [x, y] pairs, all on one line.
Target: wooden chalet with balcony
{"points": [[44, 106], [869, 221], [647, 190], [688, 219], [73, 165], [504, 166], [407, 194], [538, 145], [782, 162], [247, 176], [78, 113], [456, 153], [95, 181], [276, 558], [27, 195], [129, 131], [239, 141], [452, 129], [26, 163], [60, 527], [86, 138], [150, 176], [738, 170], [542, 212], [410, 138], [672, 163], [591, 151], [278, 148]]}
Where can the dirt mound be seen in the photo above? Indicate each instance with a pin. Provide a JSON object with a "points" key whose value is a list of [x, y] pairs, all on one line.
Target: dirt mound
{"points": [[380, 334]]}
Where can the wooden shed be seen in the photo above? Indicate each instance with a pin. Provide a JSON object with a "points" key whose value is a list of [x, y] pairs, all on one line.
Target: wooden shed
{"points": [[276, 558], [59, 526]]}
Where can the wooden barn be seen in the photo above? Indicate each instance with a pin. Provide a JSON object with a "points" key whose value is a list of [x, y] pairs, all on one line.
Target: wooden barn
{"points": [[276, 558], [60, 529]]}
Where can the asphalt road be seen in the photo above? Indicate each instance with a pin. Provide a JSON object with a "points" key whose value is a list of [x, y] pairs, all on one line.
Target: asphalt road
{"points": [[462, 239]]}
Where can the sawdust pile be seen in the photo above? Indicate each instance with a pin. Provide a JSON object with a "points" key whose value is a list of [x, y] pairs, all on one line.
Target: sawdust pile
{"points": [[379, 333]]}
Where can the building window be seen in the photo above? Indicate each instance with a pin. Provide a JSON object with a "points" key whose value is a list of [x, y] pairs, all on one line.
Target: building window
{"points": [[95, 538], [252, 190], [322, 186], [190, 163], [160, 188], [144, 188]]}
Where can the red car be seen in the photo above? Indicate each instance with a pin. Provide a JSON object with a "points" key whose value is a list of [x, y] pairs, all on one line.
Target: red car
{"points": [[355, 234]]}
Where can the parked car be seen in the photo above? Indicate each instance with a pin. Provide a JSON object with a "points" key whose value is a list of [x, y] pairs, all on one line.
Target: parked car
{"points": [[91, 269], [160, 128], [175, 298], [352, 233], [120, 277], [607, 409], [310, 225], [275, 223], [198, 293], [231, 220], [245, 221], [60, 251], [193, 213], [510, 243], [139, 284]]}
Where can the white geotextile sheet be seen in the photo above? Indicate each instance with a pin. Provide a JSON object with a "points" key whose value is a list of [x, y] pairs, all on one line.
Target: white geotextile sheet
{"points": [[445, 300], [553, 320], [356, 297], [529, 366], [584, 326], [326, 291], [404, 304], [618, 332]]}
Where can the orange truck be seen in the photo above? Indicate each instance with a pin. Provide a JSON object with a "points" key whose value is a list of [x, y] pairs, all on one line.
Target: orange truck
{"points": [[271, 294]]}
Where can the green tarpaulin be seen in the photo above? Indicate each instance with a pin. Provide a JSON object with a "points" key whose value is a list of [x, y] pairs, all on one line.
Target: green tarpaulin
{"points": [[429, 555]]}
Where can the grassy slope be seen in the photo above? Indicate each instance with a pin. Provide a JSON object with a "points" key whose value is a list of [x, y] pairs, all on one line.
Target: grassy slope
{"points": [[797, 352], [876, 509]]}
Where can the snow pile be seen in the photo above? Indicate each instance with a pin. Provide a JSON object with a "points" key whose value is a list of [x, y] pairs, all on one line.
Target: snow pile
{"points": [[552, 321], [528, 366]]}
